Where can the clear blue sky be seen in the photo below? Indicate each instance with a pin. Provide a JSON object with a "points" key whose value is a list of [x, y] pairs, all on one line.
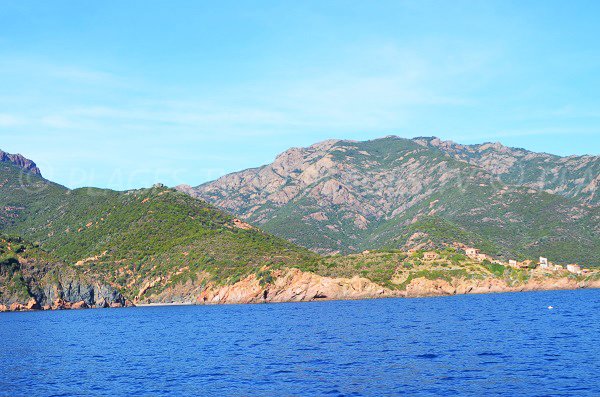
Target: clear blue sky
{"points": [[123, 94]]}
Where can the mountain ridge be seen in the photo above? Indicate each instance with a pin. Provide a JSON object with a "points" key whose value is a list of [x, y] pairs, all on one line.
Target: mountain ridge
{"points": [[334, 195]]}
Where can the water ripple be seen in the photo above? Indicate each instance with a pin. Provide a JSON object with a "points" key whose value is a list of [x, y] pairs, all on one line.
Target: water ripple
{"points": [[506, 344]]}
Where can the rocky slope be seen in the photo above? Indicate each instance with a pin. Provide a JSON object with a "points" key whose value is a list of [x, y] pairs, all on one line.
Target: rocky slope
{"points": [[19, 161], [30, 279], [411, 278], [302, 287], [576, 177], [346, 196]]}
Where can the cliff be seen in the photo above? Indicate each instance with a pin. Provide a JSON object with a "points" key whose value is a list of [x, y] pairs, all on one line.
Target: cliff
{"points": [[30, 279]]}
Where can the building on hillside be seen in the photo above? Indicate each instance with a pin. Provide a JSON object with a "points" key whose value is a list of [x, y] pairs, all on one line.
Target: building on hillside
{"points": [[482, 257], [574, 268], [366, 252], [544, 263], [430, 255], [513, 263], [472, 252]]}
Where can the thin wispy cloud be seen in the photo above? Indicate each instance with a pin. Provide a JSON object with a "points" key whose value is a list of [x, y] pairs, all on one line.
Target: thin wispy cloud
{"points": [[125, 97], [326, 100]]}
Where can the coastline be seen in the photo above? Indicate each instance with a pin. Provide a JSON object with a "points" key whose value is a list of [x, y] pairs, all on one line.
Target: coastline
{"points": [[294, 285], [393, 296]]}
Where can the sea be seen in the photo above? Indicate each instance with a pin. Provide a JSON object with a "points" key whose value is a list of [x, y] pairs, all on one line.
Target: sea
{"points": [[512, 344]]}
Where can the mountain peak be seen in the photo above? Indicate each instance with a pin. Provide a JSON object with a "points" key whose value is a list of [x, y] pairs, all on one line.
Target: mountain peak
{"points": [[20, 161]]}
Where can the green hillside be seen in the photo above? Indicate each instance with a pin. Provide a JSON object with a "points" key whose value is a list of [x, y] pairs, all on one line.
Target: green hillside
{"points": [[134, 238]]}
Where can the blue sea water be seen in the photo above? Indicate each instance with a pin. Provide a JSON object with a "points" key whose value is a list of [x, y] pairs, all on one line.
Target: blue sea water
{"points": [[501, 344]]}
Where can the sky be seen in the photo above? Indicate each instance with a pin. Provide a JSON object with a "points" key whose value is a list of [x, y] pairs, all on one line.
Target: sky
{"points": [[124, 94]]}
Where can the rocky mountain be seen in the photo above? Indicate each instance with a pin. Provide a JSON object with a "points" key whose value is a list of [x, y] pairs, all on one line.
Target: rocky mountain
{"points": [[347, 196], [576, 177], [19, 161]]}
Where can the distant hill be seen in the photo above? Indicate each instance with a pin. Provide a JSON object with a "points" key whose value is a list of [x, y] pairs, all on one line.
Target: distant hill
{"points": [[347, 196]]}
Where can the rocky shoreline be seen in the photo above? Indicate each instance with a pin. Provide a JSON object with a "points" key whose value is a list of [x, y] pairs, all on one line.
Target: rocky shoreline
{"points": [[60, 304], [297, 286], [293, 285]]}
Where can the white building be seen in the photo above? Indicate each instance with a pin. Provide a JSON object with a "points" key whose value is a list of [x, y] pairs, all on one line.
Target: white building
{"points": [[575, 269], [544, 263]]}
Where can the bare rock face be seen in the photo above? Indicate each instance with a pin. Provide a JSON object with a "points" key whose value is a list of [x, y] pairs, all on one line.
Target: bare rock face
{"points": [[336, 188], [71, 291], [426, 287], [33, 305], [20, 161], [64, 290], [102, 303], [241, 224], [60, 304], [80, 305], [293, 285]]}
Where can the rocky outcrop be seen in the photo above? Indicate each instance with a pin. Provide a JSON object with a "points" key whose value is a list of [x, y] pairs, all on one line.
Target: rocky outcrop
{"points": [[30, 282], [337, 189], [293, 285], [74, 294], [79, 305], [421, 287], [33, 304], [94, 294], [20, 161]]}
